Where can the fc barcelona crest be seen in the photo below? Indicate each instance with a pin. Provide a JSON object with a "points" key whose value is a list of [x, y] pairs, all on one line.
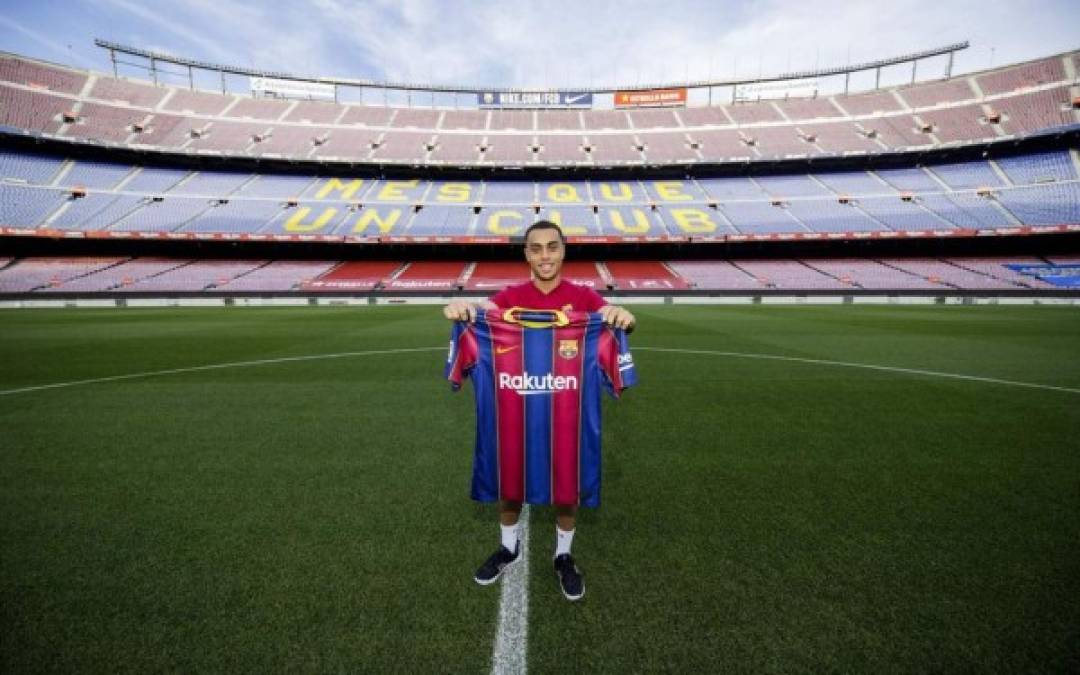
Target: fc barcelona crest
{"points": [[568, 348]]}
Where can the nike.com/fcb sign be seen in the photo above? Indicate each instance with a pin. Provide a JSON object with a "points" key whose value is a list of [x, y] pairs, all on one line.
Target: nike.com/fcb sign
{"points": [[534, 99]]}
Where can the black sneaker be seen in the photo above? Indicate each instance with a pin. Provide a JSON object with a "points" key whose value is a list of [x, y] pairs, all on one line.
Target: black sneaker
{"points": [[573, 587], [493, 567]]}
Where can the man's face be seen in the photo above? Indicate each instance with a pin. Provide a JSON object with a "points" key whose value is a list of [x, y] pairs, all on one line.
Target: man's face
{"points": [[544, 251]]}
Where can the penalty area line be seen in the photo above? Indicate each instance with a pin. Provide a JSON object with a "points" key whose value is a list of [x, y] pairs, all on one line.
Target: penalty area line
{"points": [[866, 366], [671, 350], [216, 366]]}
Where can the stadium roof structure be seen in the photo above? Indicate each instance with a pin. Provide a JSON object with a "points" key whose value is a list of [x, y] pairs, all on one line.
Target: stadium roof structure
{"points": [[155, 58]]}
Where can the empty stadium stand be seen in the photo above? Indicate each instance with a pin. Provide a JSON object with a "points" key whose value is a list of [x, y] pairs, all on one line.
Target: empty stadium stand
{"points": [[427, 275], [199, 275], [1014, 100], [644, 275], [869, 274], [43, 194], [148, 275], [45, 273], [279, 275], [119, 163], [349, 276], [491, 276]]}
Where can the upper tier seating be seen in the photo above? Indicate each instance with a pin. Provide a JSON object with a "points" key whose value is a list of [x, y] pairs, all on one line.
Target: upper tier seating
{"points": [[1017, 99]]}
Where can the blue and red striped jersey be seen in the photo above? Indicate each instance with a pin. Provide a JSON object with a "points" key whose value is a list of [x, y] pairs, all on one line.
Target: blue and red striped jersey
{"points": [[537, 377]]}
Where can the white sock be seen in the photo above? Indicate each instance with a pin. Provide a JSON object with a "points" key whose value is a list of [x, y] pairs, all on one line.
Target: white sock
{"points": [[563, 541], [509, 536]]}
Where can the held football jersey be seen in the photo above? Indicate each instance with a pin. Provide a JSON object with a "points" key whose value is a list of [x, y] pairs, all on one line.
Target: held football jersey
{"points": [[537, 377]]}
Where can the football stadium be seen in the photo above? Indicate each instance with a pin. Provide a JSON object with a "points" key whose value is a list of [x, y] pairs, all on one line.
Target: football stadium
{"points": [[229, 444]]}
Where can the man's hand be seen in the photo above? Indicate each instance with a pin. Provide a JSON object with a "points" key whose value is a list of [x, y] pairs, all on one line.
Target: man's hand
{"points": [[618, 317], [463, 310]]}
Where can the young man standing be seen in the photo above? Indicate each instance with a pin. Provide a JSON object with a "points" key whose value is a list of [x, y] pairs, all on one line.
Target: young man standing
{"points": [[545, 248]]}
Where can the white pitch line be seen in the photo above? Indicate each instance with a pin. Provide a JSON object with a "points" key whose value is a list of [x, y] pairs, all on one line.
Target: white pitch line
{"points": [[867, 366], [217, 366], [377, 352], [511, 638]]}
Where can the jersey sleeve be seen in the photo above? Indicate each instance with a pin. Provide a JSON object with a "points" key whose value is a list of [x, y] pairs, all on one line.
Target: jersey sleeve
{"points": [[593, 301], [616, 361], [462, 355], [500, 299]]}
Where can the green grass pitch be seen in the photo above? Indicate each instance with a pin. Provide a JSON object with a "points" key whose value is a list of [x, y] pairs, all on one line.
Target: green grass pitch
{"points": [[759, 516]]}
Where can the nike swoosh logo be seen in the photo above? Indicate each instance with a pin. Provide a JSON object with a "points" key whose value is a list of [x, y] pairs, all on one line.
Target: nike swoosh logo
{"points": [[575, 99], [503, 350]]}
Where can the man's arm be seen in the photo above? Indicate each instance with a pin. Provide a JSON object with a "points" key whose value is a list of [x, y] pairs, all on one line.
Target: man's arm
{"points": [[614, 315], [463, 310]]}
